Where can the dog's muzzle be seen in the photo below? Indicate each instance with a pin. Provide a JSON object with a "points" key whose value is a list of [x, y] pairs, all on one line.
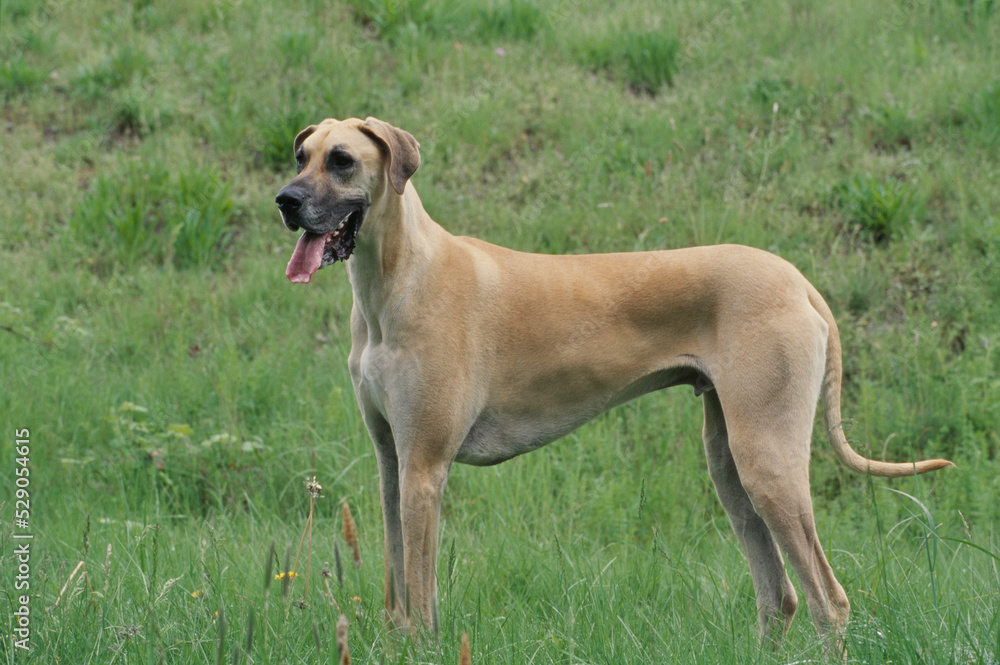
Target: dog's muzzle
{"points": [[318, 246]]}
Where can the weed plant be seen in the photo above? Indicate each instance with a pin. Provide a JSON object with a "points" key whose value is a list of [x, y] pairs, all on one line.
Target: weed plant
{"points": [[646, 61], [878, 209]]}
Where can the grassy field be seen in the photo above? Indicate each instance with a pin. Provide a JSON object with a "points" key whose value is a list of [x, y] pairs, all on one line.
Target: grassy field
{"points": [[178, 392]]}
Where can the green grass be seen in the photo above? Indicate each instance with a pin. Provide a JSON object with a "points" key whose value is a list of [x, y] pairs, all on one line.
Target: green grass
{"points": [[513, 19], [179, 391], [150, 213], [645, 60]]}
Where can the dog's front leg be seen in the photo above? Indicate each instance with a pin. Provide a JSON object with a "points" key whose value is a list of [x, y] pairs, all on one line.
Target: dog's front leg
{"points": [[422, 483], [388, 472]]}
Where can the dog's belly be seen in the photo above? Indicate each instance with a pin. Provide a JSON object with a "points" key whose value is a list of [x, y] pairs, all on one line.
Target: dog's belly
{"points": [[500, 434], [496, 437]]}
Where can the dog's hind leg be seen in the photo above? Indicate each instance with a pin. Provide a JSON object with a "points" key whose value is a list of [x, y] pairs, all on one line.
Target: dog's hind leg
{"points": [[771, 453], [784, 503], [776, 599]]}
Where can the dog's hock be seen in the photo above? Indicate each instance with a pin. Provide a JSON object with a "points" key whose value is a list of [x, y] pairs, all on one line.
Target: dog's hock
{"points": [[403, 150]]}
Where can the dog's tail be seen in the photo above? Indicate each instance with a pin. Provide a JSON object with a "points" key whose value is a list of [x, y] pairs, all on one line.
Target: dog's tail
{"points": [[832, 380]]}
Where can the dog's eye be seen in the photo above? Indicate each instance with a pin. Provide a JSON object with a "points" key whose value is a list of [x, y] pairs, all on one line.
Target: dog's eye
{"points": [[300, 161], [339, 161]]}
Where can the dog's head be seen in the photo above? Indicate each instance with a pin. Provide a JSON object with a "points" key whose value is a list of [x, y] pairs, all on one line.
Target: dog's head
{"points": [[342, 167]]}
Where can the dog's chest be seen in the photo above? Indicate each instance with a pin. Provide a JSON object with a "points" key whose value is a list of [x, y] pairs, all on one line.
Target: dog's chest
{"points": [[372, 380]]}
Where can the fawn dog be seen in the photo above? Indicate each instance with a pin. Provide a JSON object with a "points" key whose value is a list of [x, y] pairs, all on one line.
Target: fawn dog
{"points": [[463, 351]]}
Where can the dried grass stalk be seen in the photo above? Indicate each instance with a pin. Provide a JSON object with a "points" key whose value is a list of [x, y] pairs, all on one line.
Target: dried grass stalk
{"points": [[343, 652], [464, 653], [351, 535]]}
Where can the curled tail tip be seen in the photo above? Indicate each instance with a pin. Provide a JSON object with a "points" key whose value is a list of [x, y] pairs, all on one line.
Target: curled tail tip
{"points": [[932, 465], [898, 469]]}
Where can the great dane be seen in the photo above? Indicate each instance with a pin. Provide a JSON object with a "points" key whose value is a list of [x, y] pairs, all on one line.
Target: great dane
{"points": [[463, 351]]}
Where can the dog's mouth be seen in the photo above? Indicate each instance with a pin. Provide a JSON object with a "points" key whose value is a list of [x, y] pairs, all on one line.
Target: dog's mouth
{"points": [[317, 250]]}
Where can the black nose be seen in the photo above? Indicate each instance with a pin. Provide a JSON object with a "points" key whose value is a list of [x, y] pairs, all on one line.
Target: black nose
{"points": [[290, 199]]}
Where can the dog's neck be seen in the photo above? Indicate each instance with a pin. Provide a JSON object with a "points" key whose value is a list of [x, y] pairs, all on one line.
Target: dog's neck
{"points": [[395, 247]]}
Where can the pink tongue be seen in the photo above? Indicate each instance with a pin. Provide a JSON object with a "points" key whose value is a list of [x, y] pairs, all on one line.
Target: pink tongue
{"points": [[307, 257]]}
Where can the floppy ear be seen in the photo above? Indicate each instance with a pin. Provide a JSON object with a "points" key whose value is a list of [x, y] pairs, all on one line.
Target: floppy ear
{"points": [[403, 149], [303, 135]]}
